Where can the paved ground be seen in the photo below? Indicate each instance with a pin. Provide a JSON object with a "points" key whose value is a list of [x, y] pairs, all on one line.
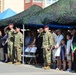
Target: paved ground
{"points": [[6, 69]]}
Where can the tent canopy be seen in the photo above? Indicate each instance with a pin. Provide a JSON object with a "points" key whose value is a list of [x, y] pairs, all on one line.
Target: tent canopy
{"points": [[7, 13], [18, 19], [61, 12]]}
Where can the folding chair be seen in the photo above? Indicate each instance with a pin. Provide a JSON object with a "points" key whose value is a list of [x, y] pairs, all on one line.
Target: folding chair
{"points": [[30, 53], [26, 53], [27, 50]]}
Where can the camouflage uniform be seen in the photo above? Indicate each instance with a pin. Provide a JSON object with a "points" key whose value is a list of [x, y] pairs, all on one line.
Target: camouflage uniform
{"points": [[18, 45], [10, 42], [47, 43]]}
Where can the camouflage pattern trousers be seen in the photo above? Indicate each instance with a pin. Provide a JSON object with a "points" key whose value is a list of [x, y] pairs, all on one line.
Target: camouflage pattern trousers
{"points": [[17, 53], [47, 57], [10, 51]]}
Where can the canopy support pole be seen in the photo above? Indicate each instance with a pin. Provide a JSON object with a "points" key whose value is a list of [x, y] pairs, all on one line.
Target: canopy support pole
{"points": [[23, 42]]}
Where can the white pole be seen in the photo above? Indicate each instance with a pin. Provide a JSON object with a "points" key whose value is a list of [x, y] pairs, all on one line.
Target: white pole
{"points": [[23, 30], [23, 42]]}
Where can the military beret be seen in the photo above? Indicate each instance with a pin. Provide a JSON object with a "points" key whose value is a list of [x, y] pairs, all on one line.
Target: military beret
{"points": [[46, 26]]}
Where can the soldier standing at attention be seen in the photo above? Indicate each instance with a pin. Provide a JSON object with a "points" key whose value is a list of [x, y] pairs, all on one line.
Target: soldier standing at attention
{"points": [[18, 45], [47, 44], [10, 32]]}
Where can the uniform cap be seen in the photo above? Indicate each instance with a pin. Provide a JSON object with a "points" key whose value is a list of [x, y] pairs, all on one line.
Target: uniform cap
{"points": [[46, 26], [58, 30]]}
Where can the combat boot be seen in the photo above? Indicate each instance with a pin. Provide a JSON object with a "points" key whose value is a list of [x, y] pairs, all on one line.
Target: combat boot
{"points": [[47, 68], [18, 63], [9, 62], [44, 67]]}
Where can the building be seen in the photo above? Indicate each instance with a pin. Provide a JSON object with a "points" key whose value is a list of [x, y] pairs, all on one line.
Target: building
{"points": [[46, 3], [42, 3], [29, 3], [16, 5], [1, 6], [21, 5]]}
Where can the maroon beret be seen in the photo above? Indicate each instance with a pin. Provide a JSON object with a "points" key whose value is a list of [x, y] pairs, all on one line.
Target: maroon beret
{"points": [[46, 26]]}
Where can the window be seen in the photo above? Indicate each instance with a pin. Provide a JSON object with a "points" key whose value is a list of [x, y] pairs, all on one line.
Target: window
{"points": [[48, 1], [27, 1], [37, 0], [54, 0]]}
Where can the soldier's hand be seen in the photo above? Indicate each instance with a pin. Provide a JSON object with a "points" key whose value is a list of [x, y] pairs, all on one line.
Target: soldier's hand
{"points": [[19, 47], [48, 49]]}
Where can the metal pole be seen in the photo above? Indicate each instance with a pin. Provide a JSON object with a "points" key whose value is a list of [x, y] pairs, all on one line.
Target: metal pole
{"points": [[23, 42]]}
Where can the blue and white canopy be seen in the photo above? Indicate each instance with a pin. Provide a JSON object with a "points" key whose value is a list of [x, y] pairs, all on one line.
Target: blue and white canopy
{"points": [[7, 13]]}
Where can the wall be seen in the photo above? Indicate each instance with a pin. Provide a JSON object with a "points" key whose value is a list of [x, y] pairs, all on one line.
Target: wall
{"points": [[30, 3], [1, 6], [27, 5], [16, 5], [37, 3]]}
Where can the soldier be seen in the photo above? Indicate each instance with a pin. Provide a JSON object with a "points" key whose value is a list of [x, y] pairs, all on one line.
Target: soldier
{"points": [[47, 44], [18, 45], [10, 31]]}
